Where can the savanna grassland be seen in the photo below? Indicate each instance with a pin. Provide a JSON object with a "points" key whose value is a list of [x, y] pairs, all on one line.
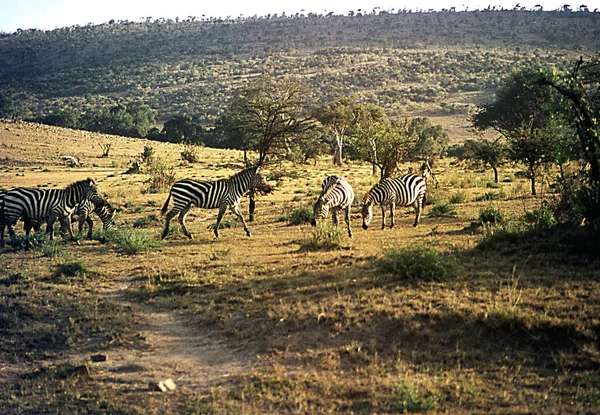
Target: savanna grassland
{"points": [[494, 321]]}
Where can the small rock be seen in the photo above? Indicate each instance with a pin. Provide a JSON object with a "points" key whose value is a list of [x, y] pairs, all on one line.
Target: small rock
{"points": [[163, 386], [99, 358]]}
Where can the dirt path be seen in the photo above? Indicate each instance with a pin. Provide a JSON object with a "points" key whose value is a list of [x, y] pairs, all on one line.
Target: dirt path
{"points": [[195, 358]]}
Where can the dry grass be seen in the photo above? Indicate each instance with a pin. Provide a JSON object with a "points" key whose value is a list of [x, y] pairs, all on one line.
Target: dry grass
{"points": [[284, 330]]}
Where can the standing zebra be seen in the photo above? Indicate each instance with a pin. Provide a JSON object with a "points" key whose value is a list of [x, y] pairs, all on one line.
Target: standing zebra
{"points": [[401, 191], [336, 194], [222, 194], [45, 205], [83, 212]]}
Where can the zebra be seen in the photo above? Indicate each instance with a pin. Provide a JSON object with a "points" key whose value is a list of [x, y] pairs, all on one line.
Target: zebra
{"points": [[401, 191], [83, 212], [222, 194], [45, 205], [336, 194]]}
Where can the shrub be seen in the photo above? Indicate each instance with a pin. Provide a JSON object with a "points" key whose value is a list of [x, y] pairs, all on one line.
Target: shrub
{"points": [[323, 237], [418, 263], [145, 221], [52, 249], [298, 216], [458, 197], [540, 219], [71, 269], [491, 214], [489, 196], [147, 156], [190, 153], [161, 178], [442, 209], [21, 242], [131, 242]]}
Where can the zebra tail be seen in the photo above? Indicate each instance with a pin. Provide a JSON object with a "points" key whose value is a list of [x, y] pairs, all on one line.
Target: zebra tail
{"points": [[166, 205]]}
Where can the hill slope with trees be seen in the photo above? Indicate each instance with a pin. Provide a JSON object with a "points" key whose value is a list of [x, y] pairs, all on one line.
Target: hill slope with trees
{"points": [[431, 64]]}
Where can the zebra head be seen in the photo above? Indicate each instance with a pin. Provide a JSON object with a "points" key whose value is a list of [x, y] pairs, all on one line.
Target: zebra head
{"points": [[106, 214], [259, 183], [320, 211]]}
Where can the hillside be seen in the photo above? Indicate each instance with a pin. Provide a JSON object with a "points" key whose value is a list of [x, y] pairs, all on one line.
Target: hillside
{"points": [[435, 64]]}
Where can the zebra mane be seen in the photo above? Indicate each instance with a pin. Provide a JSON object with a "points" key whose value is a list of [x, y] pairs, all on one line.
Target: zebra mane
{"points": [[245, 172], [329, 185], [368, 199], [86, 182]]}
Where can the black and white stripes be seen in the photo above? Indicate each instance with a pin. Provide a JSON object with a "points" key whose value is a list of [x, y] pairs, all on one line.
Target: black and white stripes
{"points": [[45, 205], [336, 195], [221, 194], [402, 191]]}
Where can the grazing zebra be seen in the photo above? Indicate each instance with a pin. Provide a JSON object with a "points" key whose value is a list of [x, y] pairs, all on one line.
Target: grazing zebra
{"points": [[222, 194], [44, 205], [337, 194], [401, 191], [83, 211]]}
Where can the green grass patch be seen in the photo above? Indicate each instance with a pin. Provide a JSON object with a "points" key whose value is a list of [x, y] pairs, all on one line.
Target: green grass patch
{"points": [[442, 209], [323, 237], [130, 242], [418, 263]]}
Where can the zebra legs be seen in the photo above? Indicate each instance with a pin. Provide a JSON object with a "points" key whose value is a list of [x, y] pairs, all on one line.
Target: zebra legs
{"points": [[392, 222], [418, 209], [237, 213], [347, 217], [181, 220]]}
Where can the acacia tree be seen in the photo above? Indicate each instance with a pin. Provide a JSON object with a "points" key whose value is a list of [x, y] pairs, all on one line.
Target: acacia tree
{"points": [[490, 153], [525, 117], [338, 117], [432, 140], [581, 88], [385, 144], [272, 115]]}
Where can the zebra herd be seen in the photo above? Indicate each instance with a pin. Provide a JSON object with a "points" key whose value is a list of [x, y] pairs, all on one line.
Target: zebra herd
{"points": [[36, 206]]}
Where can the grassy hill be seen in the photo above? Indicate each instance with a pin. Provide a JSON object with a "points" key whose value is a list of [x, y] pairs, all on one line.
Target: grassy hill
{"points": [[436, 64]]}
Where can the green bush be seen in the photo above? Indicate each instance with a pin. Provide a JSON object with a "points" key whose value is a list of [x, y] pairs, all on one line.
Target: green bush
{"points": [[418, 263], [190, 153], [442, 209], [161, 178], [130, 242], [323, 237], [489, 196], [21, 242], [540, 219], [298, 216], [491, 214], [458, 197], [71, 269], [145, 221]]}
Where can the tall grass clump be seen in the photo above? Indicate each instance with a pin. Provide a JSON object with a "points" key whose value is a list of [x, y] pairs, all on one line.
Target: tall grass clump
{"points": [[162, 177], [71, 269], [540, 219], [418, 263], [491, 215], [442, 209], [298, 216], [130, 242], [458, 197], [323, 237], [21, 242]]}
